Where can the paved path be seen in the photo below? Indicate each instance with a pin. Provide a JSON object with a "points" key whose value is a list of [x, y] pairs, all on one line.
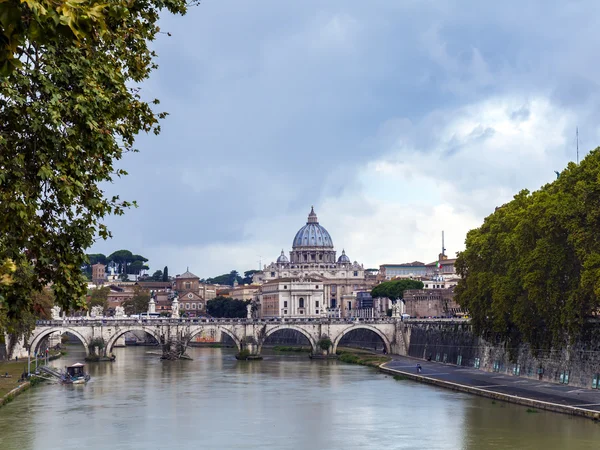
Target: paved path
{"points": [[559, 394]]}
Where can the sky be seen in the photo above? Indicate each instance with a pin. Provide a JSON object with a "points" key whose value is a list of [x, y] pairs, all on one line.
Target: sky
{"points": [[395, 119]]}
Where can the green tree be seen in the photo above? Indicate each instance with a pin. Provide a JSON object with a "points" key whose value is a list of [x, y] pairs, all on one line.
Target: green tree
{"points": [[248, 276], [138, 303], [165, 276], [531, 272], [70, 106], [394, 289], [226, 278], [99, 297], [157, 275], [227, 307]]}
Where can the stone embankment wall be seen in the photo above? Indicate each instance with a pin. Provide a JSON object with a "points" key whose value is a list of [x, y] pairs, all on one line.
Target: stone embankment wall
{"points": [[454, 343]]}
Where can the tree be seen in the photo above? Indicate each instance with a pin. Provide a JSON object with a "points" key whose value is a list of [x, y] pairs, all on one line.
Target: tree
{"points": [[531, 272], [394, 289], [157, 276], [227, 307], [70, 106], [138, 303], [165, 276], [99, 297], [248, 276], [226, 278]]}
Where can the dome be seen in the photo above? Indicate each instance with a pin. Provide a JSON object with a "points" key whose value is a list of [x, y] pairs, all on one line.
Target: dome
{"points": [[282, 258], [312, 234], [343, 258]]}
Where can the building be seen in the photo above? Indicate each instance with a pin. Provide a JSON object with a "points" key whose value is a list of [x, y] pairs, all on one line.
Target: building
{"points": [[431, 303], [288, 297], [443, 266], [187, 286], [415, 269], [313, 257], [98, 274], [244, 292]]}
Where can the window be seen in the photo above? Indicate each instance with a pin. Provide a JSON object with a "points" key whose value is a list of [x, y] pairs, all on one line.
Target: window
{"points": [[317, 286], [301, 303], [333, 303], [349, 305], [193, 306], [301, 312], [199, 305], [320, 257], [285, 287], [187, 306], [356, 273], [188, 285], [317, 303], [272, 274], [285, 311], [317, 311], [285, 304]]}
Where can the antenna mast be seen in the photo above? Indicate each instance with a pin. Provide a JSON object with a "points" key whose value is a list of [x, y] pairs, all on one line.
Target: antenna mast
{"points": [[443, 248]]}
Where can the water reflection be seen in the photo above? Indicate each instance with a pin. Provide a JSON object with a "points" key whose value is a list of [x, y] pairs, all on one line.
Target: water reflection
{"points": [[282, 402]]}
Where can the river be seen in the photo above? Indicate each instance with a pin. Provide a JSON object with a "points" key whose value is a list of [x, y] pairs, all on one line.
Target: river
{"points": [[282, 402]]}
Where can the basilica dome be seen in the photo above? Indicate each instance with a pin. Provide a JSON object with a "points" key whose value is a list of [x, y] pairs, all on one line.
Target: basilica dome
{"points": [[282, 258], [343, 257], [312, 234]]}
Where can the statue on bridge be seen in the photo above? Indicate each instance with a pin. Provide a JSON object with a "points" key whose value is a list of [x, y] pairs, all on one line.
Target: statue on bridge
{"points": [[175, 308], [397, 309], [119, 312], [97, 311], [249, 311], [55, 311]]}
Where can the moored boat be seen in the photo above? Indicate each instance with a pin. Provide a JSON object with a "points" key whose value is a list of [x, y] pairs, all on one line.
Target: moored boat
{"points": [[75, 374]]}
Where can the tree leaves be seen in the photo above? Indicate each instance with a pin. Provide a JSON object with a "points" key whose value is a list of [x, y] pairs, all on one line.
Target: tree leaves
{"points": [[69, 108], [531, 272]]}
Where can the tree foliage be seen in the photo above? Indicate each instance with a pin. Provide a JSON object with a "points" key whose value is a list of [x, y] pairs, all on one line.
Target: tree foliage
{"points": [[226, 278], [165, 274], [157, 275], [138, 303], [531, 272], [70, 107], [99, 297], [227, 307], [394, 289]]}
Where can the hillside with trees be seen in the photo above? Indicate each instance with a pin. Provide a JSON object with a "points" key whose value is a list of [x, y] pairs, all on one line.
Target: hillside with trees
{"points": [[531, 272], [394, 289]]}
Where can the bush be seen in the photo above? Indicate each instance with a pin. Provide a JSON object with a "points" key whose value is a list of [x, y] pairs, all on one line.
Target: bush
{"points": [[325, 343], [242, 355]]}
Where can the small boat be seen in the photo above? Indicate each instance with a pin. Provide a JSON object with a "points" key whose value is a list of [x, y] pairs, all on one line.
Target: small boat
{"points": [[75, 375]]}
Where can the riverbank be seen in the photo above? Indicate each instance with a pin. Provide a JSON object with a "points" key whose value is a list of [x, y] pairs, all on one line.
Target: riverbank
{"points": [[512, 389], [12, 371], [362, 357]]}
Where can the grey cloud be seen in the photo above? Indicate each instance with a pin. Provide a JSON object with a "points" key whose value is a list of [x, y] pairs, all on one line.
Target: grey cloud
{"points": [[276, 105]]}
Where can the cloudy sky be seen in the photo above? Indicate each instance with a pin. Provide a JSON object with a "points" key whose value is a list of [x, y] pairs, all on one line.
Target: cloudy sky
{"points": [[395, 119]]}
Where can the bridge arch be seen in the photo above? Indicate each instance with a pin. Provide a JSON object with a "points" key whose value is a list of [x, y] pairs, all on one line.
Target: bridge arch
{"points": [[33, 347], [302, 331], [386, 342], [222, 329], [113, 339]]}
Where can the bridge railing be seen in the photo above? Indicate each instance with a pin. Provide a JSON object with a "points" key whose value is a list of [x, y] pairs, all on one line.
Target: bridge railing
{"points": [[129, 321]]}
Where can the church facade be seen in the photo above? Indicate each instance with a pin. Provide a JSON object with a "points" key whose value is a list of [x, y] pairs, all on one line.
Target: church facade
{"points": [[312, 276]]}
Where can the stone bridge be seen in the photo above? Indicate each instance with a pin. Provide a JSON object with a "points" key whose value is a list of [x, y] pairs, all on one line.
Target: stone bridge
{"points": [[249, 334]]}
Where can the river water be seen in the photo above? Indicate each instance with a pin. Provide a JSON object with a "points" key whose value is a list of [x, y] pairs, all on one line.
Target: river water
{"points": [[282, 402]]}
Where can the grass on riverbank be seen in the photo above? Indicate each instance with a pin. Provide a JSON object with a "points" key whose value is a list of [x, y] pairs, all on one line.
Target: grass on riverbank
{"points": [[284, 348], [362, 357], [16, 368]]}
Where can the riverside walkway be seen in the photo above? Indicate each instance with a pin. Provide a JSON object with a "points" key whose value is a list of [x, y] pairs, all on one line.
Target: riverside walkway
{"points": [[536, 394]]}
